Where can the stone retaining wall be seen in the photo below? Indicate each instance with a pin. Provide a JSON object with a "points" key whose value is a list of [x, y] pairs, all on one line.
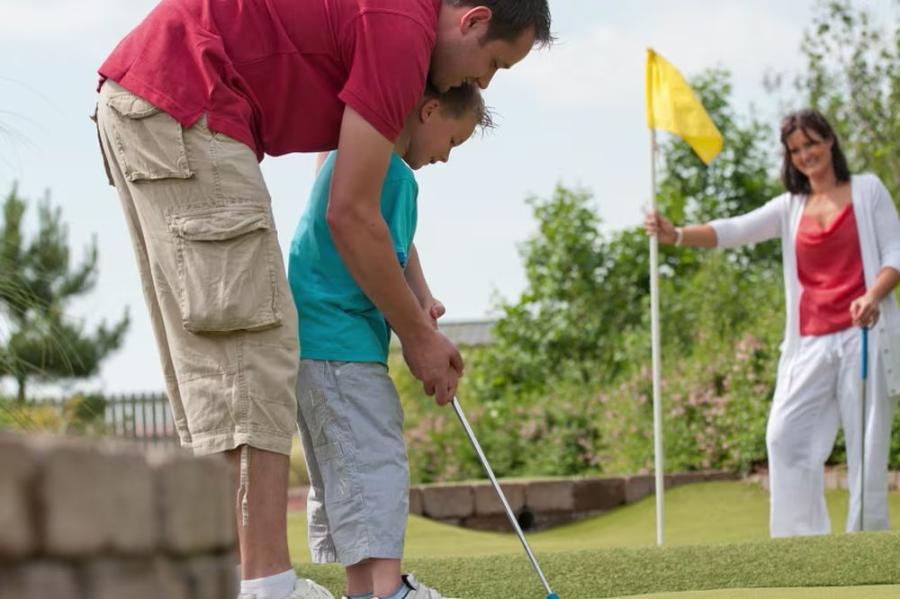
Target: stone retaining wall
{"points": [[835, 478], [94, 520], [539, 503]]}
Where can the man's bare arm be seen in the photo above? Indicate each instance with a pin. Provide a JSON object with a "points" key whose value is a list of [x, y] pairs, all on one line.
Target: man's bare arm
{"points": [[364, 243], [321, 157]]}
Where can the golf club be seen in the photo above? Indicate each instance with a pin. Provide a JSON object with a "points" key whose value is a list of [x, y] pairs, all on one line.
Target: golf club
{"points": [[509, 512], [864, 352]]}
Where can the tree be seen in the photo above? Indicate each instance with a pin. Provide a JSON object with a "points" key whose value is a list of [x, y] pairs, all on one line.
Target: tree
{"points": [[583, 286], [853, 77], [737, 181], [37, 282], [587, 289]]}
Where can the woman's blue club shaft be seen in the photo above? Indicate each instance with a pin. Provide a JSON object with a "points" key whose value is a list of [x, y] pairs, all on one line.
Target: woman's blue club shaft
{"points": [[864, 351]]}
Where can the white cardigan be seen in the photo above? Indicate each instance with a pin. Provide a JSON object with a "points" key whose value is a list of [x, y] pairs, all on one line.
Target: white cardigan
{"points": [[879, 237]]}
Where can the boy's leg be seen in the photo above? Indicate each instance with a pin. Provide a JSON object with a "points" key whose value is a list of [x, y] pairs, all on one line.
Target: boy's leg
{"points": [[200, 220], [379, 577], [355, 425], [309, 396], [359, 579], [386, 576], [315, 425], [351, 422]]}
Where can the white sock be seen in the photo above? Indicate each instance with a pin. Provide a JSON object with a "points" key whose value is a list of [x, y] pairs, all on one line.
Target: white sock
{"points": [[277, 586]]}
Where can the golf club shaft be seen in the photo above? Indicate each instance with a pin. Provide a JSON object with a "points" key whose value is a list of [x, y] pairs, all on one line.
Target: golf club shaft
{"points": [[500, 494], [864, 353]]}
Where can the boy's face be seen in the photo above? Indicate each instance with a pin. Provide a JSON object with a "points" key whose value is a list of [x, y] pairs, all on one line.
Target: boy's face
{"points": [[433, 133], [462, 56]]}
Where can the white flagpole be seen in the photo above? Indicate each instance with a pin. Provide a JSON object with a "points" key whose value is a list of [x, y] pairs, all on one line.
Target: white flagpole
{"points": [[655, 341]]}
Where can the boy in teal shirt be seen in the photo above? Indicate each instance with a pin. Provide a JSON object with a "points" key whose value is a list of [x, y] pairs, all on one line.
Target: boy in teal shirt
{"points": [[350, 418], [339, 321]]}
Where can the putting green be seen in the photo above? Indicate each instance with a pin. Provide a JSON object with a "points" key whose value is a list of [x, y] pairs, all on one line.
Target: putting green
{"points": [[867, 592], [717, 512], [716, 540], [810, 563]]}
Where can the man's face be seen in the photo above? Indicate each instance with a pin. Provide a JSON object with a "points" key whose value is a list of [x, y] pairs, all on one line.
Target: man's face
{"points": [[460, 54], [433, 134]]}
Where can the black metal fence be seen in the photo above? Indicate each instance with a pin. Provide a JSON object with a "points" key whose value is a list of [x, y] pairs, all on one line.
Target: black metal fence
{"points": [[145, 418]]}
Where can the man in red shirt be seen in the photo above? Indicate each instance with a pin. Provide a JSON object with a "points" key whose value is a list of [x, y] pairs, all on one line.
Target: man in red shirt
{"points": [[190, 101]]}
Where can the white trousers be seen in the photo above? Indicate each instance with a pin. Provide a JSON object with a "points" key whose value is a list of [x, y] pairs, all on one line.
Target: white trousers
{"points": [[819, 391]]}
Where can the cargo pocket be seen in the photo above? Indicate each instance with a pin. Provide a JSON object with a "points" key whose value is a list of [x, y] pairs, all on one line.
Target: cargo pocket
{"points": [[149, 142], [226, 260], [106, 168]]}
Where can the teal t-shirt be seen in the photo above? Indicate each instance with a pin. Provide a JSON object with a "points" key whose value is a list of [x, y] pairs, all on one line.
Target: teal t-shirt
{"points": [[337, 321]]}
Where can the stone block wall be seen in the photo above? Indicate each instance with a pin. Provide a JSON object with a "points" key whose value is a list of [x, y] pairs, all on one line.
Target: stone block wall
{"points": [[98, 520], [835, 478], [539, 504]]}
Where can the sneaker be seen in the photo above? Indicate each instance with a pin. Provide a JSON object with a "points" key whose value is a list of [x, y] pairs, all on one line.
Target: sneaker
{"points": [[303, 589], [418, 590]]}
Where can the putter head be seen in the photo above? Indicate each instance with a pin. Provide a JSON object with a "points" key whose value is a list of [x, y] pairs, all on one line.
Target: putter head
{"points": [[552, 596]]}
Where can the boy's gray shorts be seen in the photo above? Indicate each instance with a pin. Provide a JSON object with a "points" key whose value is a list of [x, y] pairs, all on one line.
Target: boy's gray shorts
{"points": [[351, 425]]}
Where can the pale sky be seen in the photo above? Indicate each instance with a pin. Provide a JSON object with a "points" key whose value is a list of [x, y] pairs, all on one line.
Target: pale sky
{"points": [[572, 114]]}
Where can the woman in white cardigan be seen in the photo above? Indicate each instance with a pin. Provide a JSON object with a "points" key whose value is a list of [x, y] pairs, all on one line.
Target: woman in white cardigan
{"points": [[840, 238]]}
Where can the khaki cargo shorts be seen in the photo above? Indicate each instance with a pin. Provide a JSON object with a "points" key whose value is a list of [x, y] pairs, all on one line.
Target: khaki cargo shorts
{"points": [[213, 275]]}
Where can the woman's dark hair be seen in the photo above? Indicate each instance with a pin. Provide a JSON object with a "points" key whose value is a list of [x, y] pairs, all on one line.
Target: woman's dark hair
{"points": [[808, 120], [511, 18], [459, 101]]}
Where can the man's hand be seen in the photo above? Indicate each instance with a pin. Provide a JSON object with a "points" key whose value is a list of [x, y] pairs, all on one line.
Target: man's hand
{"points": [[434, 360], [435, 309]]}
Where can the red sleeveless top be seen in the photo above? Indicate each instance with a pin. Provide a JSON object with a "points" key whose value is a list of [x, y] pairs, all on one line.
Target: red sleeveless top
{"points": [[829, 265]]}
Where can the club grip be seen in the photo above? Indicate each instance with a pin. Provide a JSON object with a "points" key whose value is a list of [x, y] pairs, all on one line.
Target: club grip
{"points": [[864, 352]]}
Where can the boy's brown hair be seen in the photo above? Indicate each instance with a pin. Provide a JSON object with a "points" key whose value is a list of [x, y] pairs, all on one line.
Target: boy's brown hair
{"points": [[458, 101]]}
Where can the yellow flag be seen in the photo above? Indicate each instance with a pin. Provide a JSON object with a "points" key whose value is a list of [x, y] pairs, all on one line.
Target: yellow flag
{"points": [[673, 106]]}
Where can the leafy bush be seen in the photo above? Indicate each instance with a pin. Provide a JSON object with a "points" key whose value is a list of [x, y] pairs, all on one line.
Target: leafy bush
{"points": [[534, 435], [29, 417], [83, 414]]}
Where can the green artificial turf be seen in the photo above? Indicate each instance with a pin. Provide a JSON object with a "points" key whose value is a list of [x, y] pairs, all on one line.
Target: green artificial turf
{"points": [[859, 592], [716, 538]]}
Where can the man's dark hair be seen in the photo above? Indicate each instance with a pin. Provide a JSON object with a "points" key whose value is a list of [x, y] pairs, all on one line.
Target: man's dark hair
{"points": [[511, 18], [807, 120], [460, 101]]}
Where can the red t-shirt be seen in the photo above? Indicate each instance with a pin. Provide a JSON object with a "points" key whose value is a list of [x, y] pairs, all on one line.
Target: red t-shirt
{"points": [[276, 74], [829, 265]]}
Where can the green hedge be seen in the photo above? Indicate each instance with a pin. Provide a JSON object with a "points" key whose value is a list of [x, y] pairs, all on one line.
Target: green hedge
{"points": [[721, 327]]}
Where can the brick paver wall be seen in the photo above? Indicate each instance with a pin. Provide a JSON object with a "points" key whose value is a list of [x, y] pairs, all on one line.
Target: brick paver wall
{"points": [[549, 501], [96, 520]]}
